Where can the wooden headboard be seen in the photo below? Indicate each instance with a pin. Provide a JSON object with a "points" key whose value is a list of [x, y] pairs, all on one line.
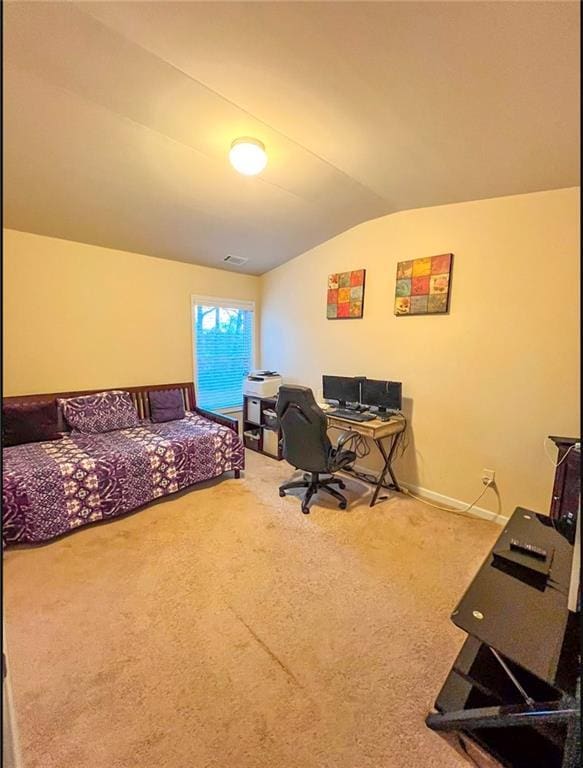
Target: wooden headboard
{"points": [[139, 396]]}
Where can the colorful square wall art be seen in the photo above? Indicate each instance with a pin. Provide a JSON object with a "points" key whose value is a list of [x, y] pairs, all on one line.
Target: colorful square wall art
{"points": [[423, 285], [345, 295]]}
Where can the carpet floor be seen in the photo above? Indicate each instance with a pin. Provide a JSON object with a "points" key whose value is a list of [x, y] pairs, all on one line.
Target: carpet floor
{"points": [[221, 627]]}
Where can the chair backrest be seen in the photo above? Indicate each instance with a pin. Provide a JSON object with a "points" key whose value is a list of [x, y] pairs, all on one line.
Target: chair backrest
{"points": [[304, 427]]}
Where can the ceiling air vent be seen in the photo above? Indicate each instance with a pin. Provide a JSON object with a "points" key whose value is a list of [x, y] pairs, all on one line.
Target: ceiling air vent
{"points": [[235, 260]]}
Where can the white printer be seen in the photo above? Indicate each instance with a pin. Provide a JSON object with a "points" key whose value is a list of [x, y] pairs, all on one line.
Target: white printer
{"points": [[262, 384]]}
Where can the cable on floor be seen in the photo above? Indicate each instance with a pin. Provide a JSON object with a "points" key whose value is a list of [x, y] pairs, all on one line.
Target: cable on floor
{"points": [[460, 512], [363, 476], [360, 445]]}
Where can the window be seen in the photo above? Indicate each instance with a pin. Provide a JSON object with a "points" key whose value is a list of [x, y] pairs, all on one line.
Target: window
{"points": [[223, 350]]}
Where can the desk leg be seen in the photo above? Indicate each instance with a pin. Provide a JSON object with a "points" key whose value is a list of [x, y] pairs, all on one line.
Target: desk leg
{"points": [[388, 458]]}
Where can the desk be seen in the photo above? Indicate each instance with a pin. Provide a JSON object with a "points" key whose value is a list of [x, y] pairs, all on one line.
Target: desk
{"points": [[513, 687], [385, 435]]}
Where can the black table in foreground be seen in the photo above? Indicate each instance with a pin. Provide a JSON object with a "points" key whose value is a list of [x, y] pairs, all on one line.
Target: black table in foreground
{"points": [[514, 688]]}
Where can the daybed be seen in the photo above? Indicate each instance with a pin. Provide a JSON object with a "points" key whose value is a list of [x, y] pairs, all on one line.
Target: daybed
{"points": [[50, 488]]}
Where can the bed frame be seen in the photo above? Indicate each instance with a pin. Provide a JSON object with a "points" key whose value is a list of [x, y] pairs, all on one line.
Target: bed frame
{"points": [[139, 396]]}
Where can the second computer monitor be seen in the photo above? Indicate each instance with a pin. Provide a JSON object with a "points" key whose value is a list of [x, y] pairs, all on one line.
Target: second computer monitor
{"points": [[384, 394], [345, 389]]}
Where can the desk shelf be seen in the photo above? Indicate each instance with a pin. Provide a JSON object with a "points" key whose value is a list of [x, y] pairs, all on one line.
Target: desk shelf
{"points": [[540, 746]]}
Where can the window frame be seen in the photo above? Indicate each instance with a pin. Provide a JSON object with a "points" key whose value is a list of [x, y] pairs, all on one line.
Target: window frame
{"points": [[215, 301]]}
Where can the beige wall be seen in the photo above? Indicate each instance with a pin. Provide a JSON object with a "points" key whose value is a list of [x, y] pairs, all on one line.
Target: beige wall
{"points": [[81, 317], [484, 384]]}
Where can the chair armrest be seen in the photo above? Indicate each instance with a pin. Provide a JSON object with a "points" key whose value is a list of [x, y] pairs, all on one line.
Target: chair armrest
{"points": [[349, 434], [219, 418]]}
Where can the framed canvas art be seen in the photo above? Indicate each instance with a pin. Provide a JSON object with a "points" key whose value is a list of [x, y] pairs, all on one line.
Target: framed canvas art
{"points": [[423, 285], [345, 299]]}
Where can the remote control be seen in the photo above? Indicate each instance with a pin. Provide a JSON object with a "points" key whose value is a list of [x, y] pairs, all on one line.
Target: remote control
{"points": [[528, 549]]}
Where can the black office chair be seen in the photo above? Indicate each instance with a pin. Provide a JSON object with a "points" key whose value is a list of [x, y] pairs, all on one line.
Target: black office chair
{"points": [[306, 445]]}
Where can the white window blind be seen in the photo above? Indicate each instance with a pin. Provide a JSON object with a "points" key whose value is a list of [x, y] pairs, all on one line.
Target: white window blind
{"points": [[223, 350]]}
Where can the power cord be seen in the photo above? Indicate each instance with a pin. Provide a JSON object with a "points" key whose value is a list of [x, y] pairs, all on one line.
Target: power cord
{"points": [[364, 476], [360, 445], [460, 512], [550, 458], [402, 437]]}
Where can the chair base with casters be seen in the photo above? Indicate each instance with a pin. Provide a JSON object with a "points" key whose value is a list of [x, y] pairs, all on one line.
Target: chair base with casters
{"points": [[314, 483]]}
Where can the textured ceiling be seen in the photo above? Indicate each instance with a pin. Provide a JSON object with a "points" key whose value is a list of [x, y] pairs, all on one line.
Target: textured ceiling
{"points": [[118, 117]]}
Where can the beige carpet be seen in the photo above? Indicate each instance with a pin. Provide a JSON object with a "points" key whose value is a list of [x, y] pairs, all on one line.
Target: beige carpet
{"points": [[222, 628]]}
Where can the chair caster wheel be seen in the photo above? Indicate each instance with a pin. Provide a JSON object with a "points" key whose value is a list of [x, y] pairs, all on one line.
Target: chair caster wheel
{"points": [[305, 510], [342, 505], [282, 494]]}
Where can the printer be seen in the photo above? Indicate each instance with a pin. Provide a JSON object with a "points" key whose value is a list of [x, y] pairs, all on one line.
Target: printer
{"points": [[262, 384]]}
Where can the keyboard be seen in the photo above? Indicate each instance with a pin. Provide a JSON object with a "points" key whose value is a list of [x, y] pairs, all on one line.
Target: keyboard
{"points": [[350, 415]]}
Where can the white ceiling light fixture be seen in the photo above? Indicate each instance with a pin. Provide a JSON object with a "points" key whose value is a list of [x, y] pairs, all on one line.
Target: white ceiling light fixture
{"points": [[248, 156]]}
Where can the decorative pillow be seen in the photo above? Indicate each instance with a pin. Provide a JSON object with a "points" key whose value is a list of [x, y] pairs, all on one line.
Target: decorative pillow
{"points": [[166, 405], [29, 423], [102, 412]]}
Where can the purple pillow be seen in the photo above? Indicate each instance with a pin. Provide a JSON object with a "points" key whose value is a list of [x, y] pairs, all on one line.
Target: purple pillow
{"points": [[102, 412], [166, 405], [29, 423]]}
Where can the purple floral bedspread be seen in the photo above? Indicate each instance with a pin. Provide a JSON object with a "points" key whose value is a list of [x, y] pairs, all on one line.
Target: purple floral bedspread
{"points": [[51, 488]]}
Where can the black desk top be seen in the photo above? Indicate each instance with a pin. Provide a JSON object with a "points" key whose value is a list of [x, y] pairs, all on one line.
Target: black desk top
{"points": [[524, 621]]}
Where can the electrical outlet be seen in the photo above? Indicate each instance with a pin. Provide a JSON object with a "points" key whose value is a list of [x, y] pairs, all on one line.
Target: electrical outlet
{"points": [[488, 476]]}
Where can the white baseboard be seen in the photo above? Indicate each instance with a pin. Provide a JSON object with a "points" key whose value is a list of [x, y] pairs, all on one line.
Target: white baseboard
{"points": [[447, 501]]}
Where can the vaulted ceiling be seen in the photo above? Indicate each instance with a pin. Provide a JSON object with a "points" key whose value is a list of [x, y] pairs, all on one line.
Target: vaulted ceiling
{"points": [[118, 117]]}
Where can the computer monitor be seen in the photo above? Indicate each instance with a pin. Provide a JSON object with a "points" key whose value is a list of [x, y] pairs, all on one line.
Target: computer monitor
{"points": [[345, 389], [384, 394]]}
